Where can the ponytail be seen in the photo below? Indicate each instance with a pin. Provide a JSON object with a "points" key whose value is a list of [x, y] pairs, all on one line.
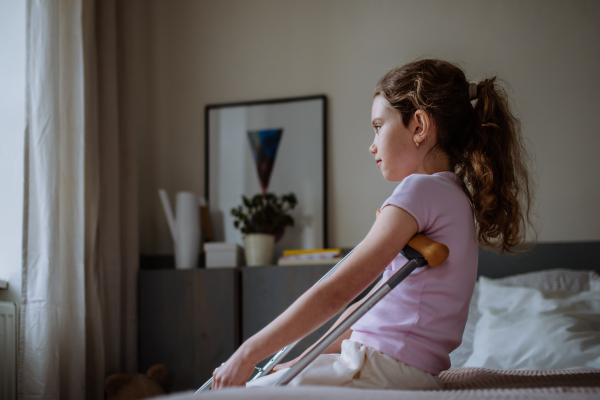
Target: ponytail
{"points": [[493, 168], [483, 143]]}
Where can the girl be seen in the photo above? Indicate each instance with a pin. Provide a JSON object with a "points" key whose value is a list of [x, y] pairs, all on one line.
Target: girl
{"points": [[463, 182]]}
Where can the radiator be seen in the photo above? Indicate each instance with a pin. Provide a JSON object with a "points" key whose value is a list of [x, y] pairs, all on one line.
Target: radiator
{"points": [[8, 351]]}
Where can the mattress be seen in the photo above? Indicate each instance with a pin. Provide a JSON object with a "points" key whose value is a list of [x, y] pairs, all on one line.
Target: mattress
{"points": [[483, 378], [459, 383]]}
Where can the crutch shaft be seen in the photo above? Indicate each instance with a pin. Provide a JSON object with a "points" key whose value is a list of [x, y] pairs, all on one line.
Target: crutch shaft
{"points": [[207, 385], [274, 361], [348, 322]]}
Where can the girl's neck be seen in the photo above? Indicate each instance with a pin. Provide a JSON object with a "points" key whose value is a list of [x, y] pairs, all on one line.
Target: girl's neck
{"points": [[435, 161]]}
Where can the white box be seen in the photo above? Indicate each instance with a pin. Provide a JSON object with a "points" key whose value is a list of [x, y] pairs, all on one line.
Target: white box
{"points": [[221, 254]]}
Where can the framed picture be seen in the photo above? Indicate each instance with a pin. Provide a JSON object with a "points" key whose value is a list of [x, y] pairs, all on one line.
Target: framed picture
{"points": [[277, 146]]}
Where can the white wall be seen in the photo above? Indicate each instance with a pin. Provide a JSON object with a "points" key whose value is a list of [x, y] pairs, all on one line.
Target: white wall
{"points": [[12, 125], [205, 52]]}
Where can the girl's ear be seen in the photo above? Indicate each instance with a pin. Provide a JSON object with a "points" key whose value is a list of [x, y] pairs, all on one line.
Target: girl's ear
{"points": [[423, 126]]}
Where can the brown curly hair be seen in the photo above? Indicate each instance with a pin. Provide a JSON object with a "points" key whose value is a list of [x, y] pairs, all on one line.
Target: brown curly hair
{"points": [[483, 143]]}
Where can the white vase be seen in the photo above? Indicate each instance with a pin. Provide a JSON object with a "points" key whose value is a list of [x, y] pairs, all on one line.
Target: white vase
{"points": [[184, 227], [258, 248]]}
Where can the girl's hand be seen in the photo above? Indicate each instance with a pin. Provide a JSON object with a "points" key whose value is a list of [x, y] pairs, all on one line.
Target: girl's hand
{"points": [[235, 372]]}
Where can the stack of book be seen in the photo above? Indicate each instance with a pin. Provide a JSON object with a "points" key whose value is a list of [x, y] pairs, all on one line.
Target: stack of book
{"points": [[306, 257]]}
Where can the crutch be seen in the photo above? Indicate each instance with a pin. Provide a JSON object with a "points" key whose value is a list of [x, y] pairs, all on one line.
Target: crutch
{"points": [[268, 367], [420, 251]]}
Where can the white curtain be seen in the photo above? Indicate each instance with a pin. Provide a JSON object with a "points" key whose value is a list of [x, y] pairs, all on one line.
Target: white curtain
{"points": [[78, 313], [114, 159]]}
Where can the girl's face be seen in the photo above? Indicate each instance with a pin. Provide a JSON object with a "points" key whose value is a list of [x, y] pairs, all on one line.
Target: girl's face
{"points": [[394, 147]]}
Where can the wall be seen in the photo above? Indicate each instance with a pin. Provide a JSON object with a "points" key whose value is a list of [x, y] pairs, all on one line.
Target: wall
{"points": [[205, 52], [12, 134]]}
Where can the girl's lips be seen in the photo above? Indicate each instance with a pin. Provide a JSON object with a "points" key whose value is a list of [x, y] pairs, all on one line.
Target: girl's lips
{"points": [[378, 163]]}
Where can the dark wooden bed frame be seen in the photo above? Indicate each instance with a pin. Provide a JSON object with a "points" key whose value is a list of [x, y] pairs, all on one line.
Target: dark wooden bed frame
{"points": [[542, 256]]}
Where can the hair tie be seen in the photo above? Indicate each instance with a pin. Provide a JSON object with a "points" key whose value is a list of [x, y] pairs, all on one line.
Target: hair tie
{"points": [[472, 91]]}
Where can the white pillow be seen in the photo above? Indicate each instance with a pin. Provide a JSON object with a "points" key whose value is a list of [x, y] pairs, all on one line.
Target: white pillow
{"points": [[528, 328], [553, 279]]}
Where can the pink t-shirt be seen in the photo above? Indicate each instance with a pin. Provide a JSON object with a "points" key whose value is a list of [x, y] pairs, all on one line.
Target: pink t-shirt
{"points": [[422, 320]]}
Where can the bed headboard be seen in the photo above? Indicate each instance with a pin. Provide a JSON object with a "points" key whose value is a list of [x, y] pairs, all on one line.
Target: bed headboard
{"points": [[572, 255]]}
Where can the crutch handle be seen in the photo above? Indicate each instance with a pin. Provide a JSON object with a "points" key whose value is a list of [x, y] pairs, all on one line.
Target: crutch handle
{"points": [[435, 253]]}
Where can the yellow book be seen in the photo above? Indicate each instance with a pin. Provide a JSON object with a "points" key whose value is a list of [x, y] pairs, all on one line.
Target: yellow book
{"points": [[296, 252]]}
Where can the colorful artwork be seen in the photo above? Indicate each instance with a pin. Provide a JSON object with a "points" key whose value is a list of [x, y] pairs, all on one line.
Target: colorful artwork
{"points": [[264, 144]]}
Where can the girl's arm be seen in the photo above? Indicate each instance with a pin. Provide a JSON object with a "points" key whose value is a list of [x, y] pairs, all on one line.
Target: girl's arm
{"points": [[388, 236], [337, 345]]}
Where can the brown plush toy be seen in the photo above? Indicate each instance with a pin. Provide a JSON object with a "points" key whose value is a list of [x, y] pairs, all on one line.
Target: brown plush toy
{"points": [[136, 386]]}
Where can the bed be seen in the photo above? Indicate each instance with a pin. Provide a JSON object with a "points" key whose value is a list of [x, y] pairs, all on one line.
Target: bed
{"points": [[533, 333]]}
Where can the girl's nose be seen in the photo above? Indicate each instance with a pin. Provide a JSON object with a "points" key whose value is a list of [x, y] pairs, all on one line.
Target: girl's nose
{"points": [[373, 149]]}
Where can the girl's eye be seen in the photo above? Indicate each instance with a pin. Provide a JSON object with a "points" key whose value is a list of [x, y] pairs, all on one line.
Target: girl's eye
{"points": [[377, 128]]}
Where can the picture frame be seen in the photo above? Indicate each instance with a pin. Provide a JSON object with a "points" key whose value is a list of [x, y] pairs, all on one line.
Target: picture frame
{"points": [[298, 125]]}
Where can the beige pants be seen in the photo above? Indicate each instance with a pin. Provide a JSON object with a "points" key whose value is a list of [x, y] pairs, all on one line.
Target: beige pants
{"points": [[358, 366]]}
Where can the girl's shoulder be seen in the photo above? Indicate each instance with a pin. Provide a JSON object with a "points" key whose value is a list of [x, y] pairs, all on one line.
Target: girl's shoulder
{"points": [[433, 201], [440, 183]]}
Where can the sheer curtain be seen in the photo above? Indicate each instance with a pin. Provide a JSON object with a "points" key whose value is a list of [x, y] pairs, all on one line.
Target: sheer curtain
{"points": [[78, 306]]}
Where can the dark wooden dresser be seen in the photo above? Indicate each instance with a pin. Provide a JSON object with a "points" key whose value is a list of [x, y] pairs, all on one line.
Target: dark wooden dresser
{"points": [[193, 320]]}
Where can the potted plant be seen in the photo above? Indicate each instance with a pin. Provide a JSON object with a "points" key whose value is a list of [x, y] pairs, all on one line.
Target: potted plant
{"points": [[263, 219]]}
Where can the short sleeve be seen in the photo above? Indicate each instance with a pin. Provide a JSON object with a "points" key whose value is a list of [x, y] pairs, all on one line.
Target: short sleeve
{"points": [[416, 195]]}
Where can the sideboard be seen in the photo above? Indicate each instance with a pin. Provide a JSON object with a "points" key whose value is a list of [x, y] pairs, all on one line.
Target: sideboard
{"points": [[193, 320]]}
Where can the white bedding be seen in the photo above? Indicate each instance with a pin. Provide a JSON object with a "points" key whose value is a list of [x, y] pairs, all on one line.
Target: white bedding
{"points": [[555, 279], [525, 328]]}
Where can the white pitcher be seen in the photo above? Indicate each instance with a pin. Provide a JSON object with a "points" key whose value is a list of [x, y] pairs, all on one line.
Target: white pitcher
{"points": [[184, 227]]}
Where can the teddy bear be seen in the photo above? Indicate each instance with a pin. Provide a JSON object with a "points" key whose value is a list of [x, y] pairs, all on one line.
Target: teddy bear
{"points": [[136, 386]]}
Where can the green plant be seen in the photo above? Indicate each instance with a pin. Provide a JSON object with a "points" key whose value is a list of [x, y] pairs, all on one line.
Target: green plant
{"points": [[265, 213]]}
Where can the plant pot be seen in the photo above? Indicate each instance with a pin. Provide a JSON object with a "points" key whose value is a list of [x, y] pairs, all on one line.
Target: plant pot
{"points": [[259, 249]]}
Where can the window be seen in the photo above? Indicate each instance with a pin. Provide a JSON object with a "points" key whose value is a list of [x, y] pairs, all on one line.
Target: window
{"points": [[12, 127]]}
